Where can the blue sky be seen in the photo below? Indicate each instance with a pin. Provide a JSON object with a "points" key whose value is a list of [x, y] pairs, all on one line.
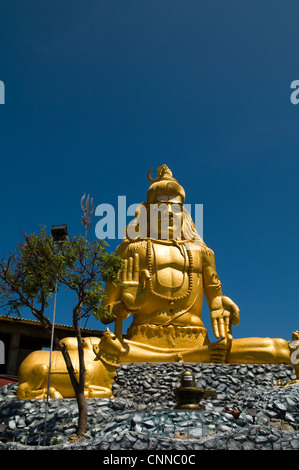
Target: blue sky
{"points": [[97, 93]]}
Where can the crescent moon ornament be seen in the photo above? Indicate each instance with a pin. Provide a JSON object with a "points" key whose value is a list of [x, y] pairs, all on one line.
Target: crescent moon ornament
{"points": [[162, 172]]}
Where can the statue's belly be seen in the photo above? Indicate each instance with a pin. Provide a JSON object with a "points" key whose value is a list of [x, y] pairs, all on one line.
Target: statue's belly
{"points": [[171, 278]]}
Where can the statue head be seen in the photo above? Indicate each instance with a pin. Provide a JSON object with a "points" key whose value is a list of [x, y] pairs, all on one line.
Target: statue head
{"points": [[163, 216]]}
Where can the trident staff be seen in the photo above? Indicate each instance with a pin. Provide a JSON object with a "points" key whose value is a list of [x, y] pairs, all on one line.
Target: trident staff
{"points": [[88, 211]]}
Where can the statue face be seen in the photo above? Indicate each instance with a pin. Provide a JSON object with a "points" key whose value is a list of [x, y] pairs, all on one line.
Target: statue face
{"points": [[166, 216]]}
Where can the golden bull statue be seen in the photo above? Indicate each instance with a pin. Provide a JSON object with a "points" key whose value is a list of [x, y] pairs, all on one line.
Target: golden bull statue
{"points": [[101, 361]]}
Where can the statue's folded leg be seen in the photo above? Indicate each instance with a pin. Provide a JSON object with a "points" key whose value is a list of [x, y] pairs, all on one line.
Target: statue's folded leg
{"points": [[97, 391], [138, 352], [26, 391], [243, 350], [259, 351]]}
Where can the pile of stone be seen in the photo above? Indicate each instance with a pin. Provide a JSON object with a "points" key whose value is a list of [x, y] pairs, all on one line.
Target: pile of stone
{"points": [[153, 384], [250, 412]]}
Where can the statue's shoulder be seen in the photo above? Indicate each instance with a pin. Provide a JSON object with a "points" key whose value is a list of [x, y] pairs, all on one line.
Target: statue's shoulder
{"points": [[129, 248], [207, 253]]}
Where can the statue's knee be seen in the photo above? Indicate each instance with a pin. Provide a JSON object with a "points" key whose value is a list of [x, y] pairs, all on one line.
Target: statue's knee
{"points": [[54, 393], [280, 346], [21, 391], [278, 349]]}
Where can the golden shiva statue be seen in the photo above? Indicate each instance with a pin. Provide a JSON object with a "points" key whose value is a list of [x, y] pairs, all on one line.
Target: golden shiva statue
{"points": [[167, 270]]}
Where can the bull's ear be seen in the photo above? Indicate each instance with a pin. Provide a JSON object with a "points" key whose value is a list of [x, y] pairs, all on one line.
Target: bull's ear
{"points": [[108, 331]]}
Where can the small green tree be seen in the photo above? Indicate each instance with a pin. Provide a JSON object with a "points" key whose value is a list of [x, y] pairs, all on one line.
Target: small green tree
{"points": [[38, 266]]}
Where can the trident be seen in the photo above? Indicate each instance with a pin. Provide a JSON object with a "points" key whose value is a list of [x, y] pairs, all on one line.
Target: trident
{"points": [[87, 212]]}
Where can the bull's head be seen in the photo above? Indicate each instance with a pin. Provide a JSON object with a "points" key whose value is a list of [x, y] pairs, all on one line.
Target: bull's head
{"points": [[109, 345]]}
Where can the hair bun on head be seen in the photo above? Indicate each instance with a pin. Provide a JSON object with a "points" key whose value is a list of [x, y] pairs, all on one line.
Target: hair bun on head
{"points": [[163, 185]]}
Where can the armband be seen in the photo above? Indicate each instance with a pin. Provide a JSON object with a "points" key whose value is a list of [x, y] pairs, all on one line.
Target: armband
{"points": [[214, 286]]}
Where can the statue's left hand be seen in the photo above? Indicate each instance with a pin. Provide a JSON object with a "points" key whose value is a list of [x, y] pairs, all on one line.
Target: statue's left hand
{"points": [[224, 313]]}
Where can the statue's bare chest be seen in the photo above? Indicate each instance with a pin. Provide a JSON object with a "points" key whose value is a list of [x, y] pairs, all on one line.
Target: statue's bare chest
{"points": [[171, 264], [169, 257]]}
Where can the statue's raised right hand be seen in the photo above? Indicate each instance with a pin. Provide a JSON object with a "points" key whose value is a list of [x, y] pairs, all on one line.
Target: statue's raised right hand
{"points": [[133, 283]]}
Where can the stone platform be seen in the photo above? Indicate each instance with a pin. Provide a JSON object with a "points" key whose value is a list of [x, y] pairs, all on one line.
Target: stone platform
{"points": [[250, 412], [153, 384]]}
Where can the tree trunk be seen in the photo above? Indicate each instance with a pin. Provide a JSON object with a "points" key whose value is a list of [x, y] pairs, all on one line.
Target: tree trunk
{"points": [[81, 399], [82, 420], [77, 386]]}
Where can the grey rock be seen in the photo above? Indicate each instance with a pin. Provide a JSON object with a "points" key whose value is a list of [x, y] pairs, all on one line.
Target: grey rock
{"points": [[234, 445], [295, 443], [12, 424], [280, 406], [69, 431], [140, 444]]}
